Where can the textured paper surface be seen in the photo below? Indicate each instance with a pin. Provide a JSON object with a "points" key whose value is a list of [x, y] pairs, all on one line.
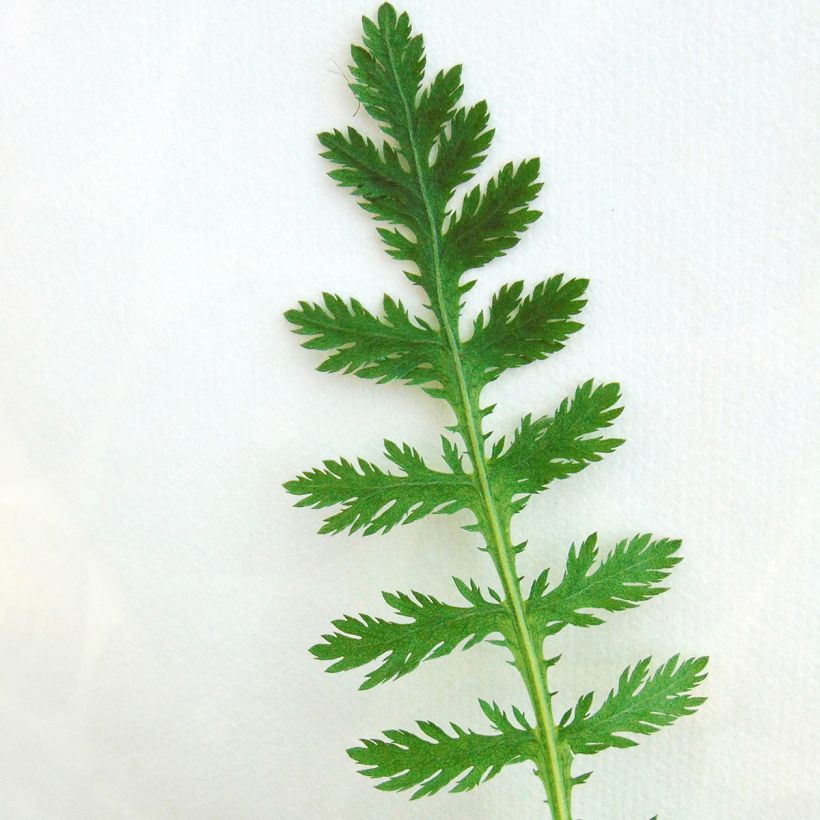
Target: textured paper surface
{"points": [[163, 202]]}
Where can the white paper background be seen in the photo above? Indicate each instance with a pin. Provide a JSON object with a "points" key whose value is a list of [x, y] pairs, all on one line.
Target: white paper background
{"points": [[163, 203]]}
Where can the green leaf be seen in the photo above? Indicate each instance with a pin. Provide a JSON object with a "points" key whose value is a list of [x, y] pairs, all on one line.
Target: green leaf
{"points": [[432, 760], [519, 330], [385, 189], [374, 500], [630, 574], [554, 447], [388, 73], [434, 629], [437, 147], [435, 108], [462, 150], [489, 223], [384, 349], [409, 185], [641, 705]]}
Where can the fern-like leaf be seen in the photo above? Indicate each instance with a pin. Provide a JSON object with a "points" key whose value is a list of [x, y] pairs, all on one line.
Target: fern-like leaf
{"points": [[388, 73], [410, 184], [489, 223], [554, 447], [435, 108], [434, 629], [374, 500], [392, 347], [519, 330], [432, 760], [641, 705], [630, 574], [461, 150], [377, 178]]}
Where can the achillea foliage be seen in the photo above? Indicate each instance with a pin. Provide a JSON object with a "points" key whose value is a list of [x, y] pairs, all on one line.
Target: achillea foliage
{"points": [[408, 184]]}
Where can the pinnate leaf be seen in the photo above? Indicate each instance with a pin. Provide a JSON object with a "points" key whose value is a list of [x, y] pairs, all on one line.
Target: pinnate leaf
{"points": [[374, 500], [522, 329], [388, 73], [554, 447], [641, 705], [384, 188], [490, 222], [433, 629], [390, 347], [433, 759], [631, 573], [461, 150], [435, 108], [409, 183]]}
